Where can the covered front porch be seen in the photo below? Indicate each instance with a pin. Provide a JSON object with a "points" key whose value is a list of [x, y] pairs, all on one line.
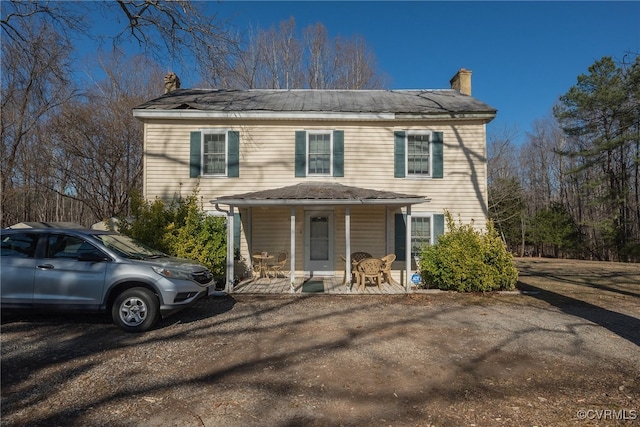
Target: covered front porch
{"points": [[316, 227]]}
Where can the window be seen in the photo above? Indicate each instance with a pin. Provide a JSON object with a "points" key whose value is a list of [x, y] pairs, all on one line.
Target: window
{"points": [[418, 156], [214, 154], [319, 153], [420, 233], [319, 157], [21, 245], [63, 246], [425, 229]]}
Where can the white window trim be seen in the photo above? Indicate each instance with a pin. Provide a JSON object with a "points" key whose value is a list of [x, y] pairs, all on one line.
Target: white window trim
{"points": [[215, 131], [406, 154], [320, 132]]}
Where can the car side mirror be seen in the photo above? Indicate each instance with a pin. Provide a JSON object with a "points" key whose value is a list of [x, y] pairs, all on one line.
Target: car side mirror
{"points": [[91, 257]]}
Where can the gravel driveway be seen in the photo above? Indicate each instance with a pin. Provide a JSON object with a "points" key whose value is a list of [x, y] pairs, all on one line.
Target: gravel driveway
{"points": [[537, 358]]}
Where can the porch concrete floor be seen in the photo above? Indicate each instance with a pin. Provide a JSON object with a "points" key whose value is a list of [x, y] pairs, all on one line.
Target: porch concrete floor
{"points": [[332, 285]]}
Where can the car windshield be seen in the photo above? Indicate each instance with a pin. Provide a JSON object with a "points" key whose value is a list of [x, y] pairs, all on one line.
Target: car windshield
{"points": [[128, 247]]}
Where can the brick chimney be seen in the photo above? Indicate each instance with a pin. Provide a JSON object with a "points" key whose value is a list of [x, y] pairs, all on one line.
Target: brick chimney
{"points": [[462, 81], [171, 82]]}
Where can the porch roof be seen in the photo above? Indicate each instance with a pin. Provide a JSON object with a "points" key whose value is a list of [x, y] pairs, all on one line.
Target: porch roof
{"points": [[327, 193]]}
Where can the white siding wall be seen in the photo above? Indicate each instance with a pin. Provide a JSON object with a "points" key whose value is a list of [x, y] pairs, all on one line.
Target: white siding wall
{"points": [[267, 154]]}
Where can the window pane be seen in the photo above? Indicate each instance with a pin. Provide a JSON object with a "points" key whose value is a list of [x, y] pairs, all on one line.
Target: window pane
{"points": [[214, 154], [418, 154], [319, 154], [319, 238], [62, 246], [420, 234], [19, 245]]}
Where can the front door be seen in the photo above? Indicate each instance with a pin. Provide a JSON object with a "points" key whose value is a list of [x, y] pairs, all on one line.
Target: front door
{"points": [[318, 243]]}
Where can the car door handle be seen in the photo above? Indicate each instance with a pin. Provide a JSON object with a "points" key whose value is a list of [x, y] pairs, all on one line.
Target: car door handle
{"points": [[46, 267]]}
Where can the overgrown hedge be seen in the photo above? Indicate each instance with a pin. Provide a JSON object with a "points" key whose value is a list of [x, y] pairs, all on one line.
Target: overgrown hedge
{"points": [[181, 228], [467, 260]]}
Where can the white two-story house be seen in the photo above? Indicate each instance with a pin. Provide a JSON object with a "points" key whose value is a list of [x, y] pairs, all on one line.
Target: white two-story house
{"points": [[320, 174]]}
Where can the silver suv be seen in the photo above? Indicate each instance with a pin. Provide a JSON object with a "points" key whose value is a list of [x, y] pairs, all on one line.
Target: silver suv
{"points": [[92, 270]]}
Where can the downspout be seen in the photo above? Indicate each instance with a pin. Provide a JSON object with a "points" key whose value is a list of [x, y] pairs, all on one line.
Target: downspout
{"points": [[347, 238], [408, 249], [292, 238], [230, 245]]}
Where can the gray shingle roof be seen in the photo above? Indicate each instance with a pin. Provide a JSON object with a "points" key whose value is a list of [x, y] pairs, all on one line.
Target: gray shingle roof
{"points": [[320, 192], [308, 100]]}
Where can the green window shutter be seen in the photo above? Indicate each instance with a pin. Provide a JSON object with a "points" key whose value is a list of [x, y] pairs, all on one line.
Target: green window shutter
{"points": [[437, 149], [438, 227], [338, 153], [399, 157], [233, 155], [195, 154], [400, 234], [301, 153]]}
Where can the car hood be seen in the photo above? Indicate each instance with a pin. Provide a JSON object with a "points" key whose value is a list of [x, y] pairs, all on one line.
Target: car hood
{"points": [[175, 263]]}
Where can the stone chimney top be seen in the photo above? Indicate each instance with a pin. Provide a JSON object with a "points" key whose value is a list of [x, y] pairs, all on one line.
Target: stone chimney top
{"points": [[462, 81], [171, 82]]}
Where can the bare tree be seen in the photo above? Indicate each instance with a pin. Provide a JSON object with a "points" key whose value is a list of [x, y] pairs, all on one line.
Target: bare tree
{"points": [[540, 164], [35, 83], [39, 179], [162, 29], [283, 56], [277, 59], [356, 65], [98, 143], [507, 206], [321, 64], [502, 154]]}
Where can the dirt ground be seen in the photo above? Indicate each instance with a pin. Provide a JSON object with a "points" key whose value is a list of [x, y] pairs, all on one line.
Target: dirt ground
{"points": [[564, 351]]}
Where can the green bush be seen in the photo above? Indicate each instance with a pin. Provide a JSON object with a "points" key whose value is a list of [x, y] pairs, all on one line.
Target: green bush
{"points": [[466, 260], [181, 229]]}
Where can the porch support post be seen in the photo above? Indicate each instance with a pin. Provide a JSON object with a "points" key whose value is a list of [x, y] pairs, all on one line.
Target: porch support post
{"points": [[293, 248], [347, 238], [408, 249], [230, 246]]}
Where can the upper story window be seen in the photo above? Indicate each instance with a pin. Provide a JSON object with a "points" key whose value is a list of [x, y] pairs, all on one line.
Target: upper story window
{"points": [[319, 153], [214, 153], [418, 154]]}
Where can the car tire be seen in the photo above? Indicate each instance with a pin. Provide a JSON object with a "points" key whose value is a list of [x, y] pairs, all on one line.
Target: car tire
{"points": [[135, 310]]}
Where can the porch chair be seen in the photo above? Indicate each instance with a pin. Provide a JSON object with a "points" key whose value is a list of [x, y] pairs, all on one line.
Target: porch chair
{"points": [[356, 257], [279, 266], [370, 268], [387, 262]]}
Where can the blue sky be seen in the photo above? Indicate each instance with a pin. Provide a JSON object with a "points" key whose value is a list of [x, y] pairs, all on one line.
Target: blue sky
{"points": [[523, 55]]}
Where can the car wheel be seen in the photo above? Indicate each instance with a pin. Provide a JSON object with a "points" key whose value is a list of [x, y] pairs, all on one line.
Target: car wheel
{"points": [[135, 310]]}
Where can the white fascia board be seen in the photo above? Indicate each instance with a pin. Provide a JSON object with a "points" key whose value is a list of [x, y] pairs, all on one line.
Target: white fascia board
{"points": [[449, 116], [284, 115]]}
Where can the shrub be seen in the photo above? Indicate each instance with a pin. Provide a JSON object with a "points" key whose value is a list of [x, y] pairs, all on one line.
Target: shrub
{"points": [[181, 229], [466, 260]]}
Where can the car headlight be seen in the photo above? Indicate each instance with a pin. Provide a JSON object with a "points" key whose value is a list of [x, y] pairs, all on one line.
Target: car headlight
{"points": [[173, 273]]}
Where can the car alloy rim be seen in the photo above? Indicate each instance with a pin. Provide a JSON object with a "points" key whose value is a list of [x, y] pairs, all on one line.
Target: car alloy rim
{"points": [[133, 311]]}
